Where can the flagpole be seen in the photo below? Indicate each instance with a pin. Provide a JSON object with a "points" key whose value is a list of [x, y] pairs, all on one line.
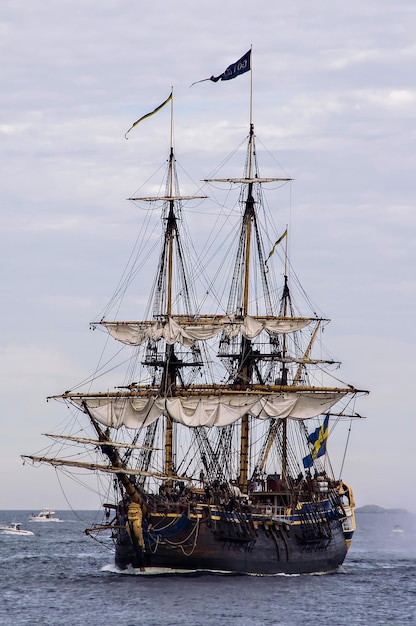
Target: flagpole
{"points": [[286, 251], [171, 119], [171, 147], [251, 85], [251, 132]]}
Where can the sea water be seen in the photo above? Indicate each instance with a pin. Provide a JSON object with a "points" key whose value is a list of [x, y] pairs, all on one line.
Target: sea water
{"points": [[61, 576]]}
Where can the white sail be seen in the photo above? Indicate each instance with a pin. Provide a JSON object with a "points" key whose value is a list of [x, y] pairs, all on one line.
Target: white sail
{"points": [[186, 333], [210, 411]]}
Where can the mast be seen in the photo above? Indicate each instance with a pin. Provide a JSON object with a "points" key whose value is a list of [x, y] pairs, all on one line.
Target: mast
{"points": [[167, 366], [244, 364], [286, 296], [169, 375], [246, 343], [246, 361]]}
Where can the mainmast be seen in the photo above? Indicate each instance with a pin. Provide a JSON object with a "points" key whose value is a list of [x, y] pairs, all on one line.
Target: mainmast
{"points": [[246, 356], [170, 371], [244, 364]]}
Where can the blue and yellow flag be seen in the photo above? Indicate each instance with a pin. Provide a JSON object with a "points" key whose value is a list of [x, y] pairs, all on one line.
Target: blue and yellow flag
{"points": [[241, 66], [318, 439], [168, 99]]}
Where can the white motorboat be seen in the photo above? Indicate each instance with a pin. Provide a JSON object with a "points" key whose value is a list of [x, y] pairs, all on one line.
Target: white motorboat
{"points": [[46, 515], [14, 529]]}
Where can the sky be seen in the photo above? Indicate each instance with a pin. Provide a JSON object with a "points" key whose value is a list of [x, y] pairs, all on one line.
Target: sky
{"points": [[334, 100]]}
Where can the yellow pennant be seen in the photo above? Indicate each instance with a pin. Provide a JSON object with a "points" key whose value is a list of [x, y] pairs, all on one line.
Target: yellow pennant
{"points": [[168, 99]]}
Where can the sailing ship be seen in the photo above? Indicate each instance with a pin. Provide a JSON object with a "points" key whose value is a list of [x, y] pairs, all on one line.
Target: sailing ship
{"points": [[214, 443]]}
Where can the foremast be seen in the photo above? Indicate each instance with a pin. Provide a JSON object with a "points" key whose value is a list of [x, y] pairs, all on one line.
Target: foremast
{"points": [[168, 369], [164, 364]]}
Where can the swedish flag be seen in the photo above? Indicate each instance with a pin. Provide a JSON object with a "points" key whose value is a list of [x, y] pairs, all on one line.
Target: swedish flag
{"points": [[318, 440]]}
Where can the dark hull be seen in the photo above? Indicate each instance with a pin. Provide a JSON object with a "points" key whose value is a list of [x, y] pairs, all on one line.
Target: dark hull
{"points": [[268, 547]]}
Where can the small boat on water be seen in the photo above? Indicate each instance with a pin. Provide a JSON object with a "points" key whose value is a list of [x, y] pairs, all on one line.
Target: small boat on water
{"points": [[14, 529], [397, 530], [46, 515]]}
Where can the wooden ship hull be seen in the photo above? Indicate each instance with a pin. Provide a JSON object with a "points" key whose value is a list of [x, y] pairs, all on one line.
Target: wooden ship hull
{"points": [[209, 540], [258, 539]]}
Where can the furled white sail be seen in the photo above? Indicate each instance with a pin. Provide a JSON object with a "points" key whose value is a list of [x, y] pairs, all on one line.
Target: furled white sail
{"points": [[186, 333], [209, 411]]}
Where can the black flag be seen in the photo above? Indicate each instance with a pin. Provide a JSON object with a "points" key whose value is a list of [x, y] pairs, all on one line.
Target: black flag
{"points": [[241, 66]]}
